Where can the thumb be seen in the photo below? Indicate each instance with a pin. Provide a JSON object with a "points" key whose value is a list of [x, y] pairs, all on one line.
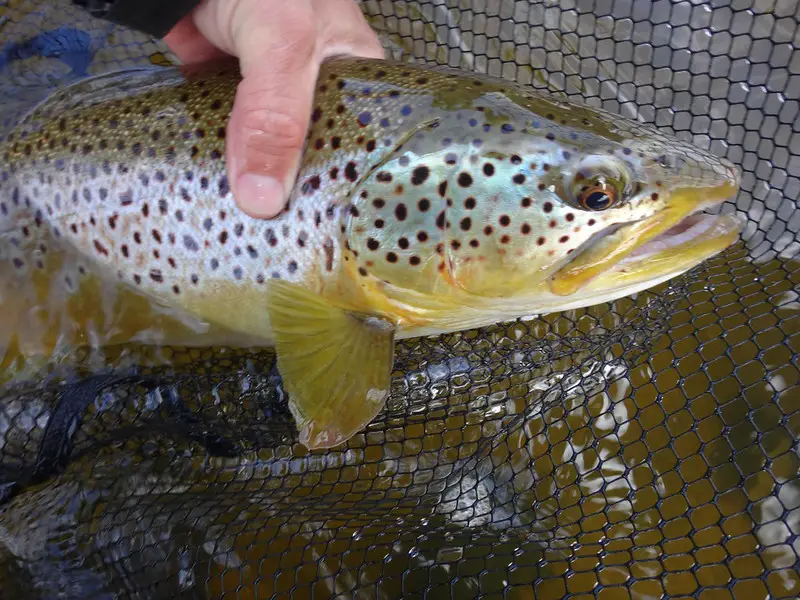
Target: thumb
{"points": [[280, 49]]}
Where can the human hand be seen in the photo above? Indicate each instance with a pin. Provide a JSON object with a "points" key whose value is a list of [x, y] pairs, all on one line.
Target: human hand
{"points": [[280, 46]]}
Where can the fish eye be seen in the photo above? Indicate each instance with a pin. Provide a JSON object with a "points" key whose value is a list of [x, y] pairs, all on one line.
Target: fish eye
{"points": [[597, 197], [599, 183]]}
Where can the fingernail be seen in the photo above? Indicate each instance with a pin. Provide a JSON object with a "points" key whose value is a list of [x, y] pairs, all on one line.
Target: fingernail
{"points": [[260, 196]]}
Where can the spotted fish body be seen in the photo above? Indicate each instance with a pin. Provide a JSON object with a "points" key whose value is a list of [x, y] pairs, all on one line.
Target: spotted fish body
{"points": [[427, 200]]}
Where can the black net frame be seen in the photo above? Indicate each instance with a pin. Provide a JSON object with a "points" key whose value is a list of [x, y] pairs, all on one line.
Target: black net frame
{"points": [[645, 448]]}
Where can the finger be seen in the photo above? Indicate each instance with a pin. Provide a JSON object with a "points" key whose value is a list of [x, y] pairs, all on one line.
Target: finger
{"points": [[189, 45], [279, 49], [345, 31]]}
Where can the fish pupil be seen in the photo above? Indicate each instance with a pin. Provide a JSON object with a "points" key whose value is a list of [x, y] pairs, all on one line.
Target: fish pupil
{"points": [[597, 200]]}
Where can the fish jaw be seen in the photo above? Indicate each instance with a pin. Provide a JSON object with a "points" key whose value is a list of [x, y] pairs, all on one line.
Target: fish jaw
{"points": [[654, 246]]}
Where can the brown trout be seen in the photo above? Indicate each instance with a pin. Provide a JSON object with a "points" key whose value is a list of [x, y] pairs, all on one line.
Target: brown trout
{"points": [[428, 200]]}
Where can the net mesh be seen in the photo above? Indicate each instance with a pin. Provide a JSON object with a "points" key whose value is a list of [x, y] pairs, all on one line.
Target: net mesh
{"points": [[645, 448]]}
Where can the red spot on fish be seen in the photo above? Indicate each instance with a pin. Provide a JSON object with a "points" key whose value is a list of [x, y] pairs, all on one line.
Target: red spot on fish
{"points": [[100, 248]]}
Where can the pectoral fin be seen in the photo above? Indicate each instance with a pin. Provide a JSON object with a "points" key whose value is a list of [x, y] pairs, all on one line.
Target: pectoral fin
{"points": [[335, 364]]}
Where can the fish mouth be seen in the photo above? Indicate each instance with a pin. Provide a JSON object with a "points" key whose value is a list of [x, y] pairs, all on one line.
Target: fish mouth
{"points": [[672, 241]]}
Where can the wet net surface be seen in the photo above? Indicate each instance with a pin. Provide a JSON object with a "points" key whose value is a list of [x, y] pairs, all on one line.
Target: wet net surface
{"points": [[646, 448]]}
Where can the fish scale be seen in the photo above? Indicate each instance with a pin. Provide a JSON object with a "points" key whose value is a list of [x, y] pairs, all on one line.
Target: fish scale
{"points": [[427, 200]]}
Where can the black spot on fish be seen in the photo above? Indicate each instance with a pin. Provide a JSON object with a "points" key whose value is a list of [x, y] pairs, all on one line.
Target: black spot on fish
{"points": [[420, 174]]}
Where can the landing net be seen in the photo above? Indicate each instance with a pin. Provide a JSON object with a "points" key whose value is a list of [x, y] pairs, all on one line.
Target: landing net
{"points": [[646, 448]]}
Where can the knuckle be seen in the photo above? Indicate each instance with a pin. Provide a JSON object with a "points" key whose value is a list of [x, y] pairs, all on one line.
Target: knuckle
{"points": [[269, 39], [299, 29], [272, 130]]}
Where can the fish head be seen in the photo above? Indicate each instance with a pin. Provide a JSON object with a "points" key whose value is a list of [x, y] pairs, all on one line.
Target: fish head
{"points": [[523, 200], [584, 215]]}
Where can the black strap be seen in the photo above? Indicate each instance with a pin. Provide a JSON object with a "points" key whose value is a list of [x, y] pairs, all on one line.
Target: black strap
{"points": [[153, 17]]}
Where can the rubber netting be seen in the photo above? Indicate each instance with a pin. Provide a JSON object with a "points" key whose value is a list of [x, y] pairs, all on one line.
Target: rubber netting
{"points": [[642, 449]]}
